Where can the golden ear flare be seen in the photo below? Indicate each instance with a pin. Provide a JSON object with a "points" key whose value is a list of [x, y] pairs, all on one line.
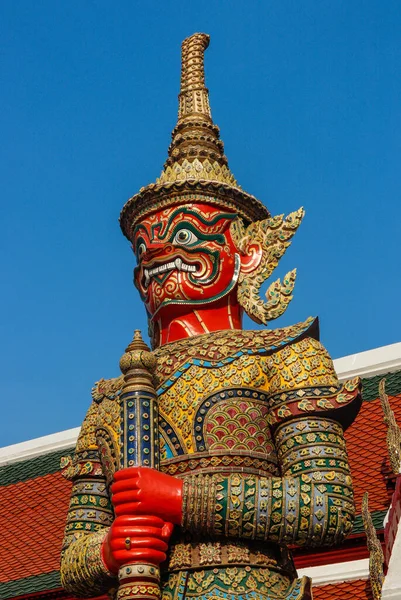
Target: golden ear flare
{"points": [[274, 237]]}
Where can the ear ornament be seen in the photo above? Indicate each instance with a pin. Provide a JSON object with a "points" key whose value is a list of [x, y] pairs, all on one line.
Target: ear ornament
{"points": [[272, 236]]}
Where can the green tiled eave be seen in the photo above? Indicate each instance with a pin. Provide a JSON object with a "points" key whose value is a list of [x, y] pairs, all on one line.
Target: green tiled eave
{"points": [[370, 389], [33, 467], [377, 518], [30, 585]]}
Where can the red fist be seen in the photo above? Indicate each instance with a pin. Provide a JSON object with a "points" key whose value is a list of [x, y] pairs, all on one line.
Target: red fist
{"points": [[133, 539], [145, 491]]}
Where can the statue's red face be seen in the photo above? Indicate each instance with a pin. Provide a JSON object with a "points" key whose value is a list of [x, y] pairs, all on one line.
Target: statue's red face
{"points": [[185, 255]]}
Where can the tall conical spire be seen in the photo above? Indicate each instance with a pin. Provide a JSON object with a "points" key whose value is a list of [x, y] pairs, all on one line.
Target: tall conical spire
{"points": [[196, 150], [196, 166]]}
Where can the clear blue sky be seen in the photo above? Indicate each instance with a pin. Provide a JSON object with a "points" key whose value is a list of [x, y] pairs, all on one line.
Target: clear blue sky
{"points": [[308, 98]]}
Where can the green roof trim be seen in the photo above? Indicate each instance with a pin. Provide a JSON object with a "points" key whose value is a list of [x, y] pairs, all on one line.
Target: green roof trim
{"points": [[30, 585], [377, 518], [370, 389], [31, 468]]}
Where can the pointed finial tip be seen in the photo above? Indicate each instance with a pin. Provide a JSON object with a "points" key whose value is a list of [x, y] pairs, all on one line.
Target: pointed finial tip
{"points": [[203, 37], [137, 342], [193, 71]]}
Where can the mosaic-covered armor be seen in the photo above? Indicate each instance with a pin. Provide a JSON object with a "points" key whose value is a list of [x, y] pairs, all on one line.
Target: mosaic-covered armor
{"points": [[250, 422]]}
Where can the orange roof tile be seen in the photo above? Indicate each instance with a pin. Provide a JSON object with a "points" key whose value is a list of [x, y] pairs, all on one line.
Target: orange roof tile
{"points": [[32, 518], [367, 452], [347, 590]]}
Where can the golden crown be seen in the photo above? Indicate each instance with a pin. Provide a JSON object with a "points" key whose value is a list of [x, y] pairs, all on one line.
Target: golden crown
{"points": [[196, 167]]}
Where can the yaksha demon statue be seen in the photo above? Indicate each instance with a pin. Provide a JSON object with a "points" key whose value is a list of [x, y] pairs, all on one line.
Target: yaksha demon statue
{"points": [[248, 455]]}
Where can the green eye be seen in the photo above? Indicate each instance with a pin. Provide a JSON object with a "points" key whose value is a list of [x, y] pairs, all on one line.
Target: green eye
{"points": [[185, 237]]}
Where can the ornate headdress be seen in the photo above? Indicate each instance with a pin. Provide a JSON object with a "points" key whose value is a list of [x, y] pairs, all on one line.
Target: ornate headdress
{"points": [[196, 165]]}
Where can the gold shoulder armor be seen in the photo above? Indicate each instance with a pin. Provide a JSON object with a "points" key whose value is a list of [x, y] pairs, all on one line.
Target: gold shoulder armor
{"points": [[107, 388], [86, 442], [104, 388], [302, 381], [300, 364]]}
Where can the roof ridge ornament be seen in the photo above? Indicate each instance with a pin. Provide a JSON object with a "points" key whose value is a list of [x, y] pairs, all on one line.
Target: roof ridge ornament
{"points": [[393, 437], [376, 556]]}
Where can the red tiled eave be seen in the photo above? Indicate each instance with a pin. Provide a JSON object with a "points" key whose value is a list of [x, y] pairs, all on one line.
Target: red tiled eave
{"points": [[32, 517], [347, 590], [368, 455]]}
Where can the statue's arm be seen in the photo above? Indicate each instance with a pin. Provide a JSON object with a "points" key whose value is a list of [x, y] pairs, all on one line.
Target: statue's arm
{"points": [[83, 572], [311, 504]]}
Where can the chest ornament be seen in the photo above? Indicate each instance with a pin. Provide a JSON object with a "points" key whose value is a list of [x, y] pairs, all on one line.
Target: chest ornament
{"points": [[233, 420]]}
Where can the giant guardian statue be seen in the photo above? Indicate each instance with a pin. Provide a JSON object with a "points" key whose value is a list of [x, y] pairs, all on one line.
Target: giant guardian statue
{"points": [[213, 453]]}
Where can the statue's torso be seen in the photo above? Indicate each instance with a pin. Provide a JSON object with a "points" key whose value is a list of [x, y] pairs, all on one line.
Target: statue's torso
{"points": [[219, 395]]}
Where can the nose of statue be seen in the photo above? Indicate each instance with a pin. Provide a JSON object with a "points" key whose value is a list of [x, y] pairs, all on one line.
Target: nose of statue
{"points": [[169, 249], [156, 250]]}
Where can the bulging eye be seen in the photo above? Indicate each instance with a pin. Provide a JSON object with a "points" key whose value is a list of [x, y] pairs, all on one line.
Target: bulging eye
{"points": [[185, 237], [140, 250]]}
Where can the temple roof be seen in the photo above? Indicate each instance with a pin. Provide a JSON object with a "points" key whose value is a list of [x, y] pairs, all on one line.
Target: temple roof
{"points": [[34, 498], [366, 443]]}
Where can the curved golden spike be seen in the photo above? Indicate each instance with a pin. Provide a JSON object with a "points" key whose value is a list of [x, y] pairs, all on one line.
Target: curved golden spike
{"points": [[393, 430], [376, 558]]}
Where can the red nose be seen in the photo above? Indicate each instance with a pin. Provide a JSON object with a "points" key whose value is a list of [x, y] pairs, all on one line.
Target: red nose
{"points": [[156, 250]]}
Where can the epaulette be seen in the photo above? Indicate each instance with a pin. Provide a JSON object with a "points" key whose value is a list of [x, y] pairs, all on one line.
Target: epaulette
{"points": [[107, 388]]}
